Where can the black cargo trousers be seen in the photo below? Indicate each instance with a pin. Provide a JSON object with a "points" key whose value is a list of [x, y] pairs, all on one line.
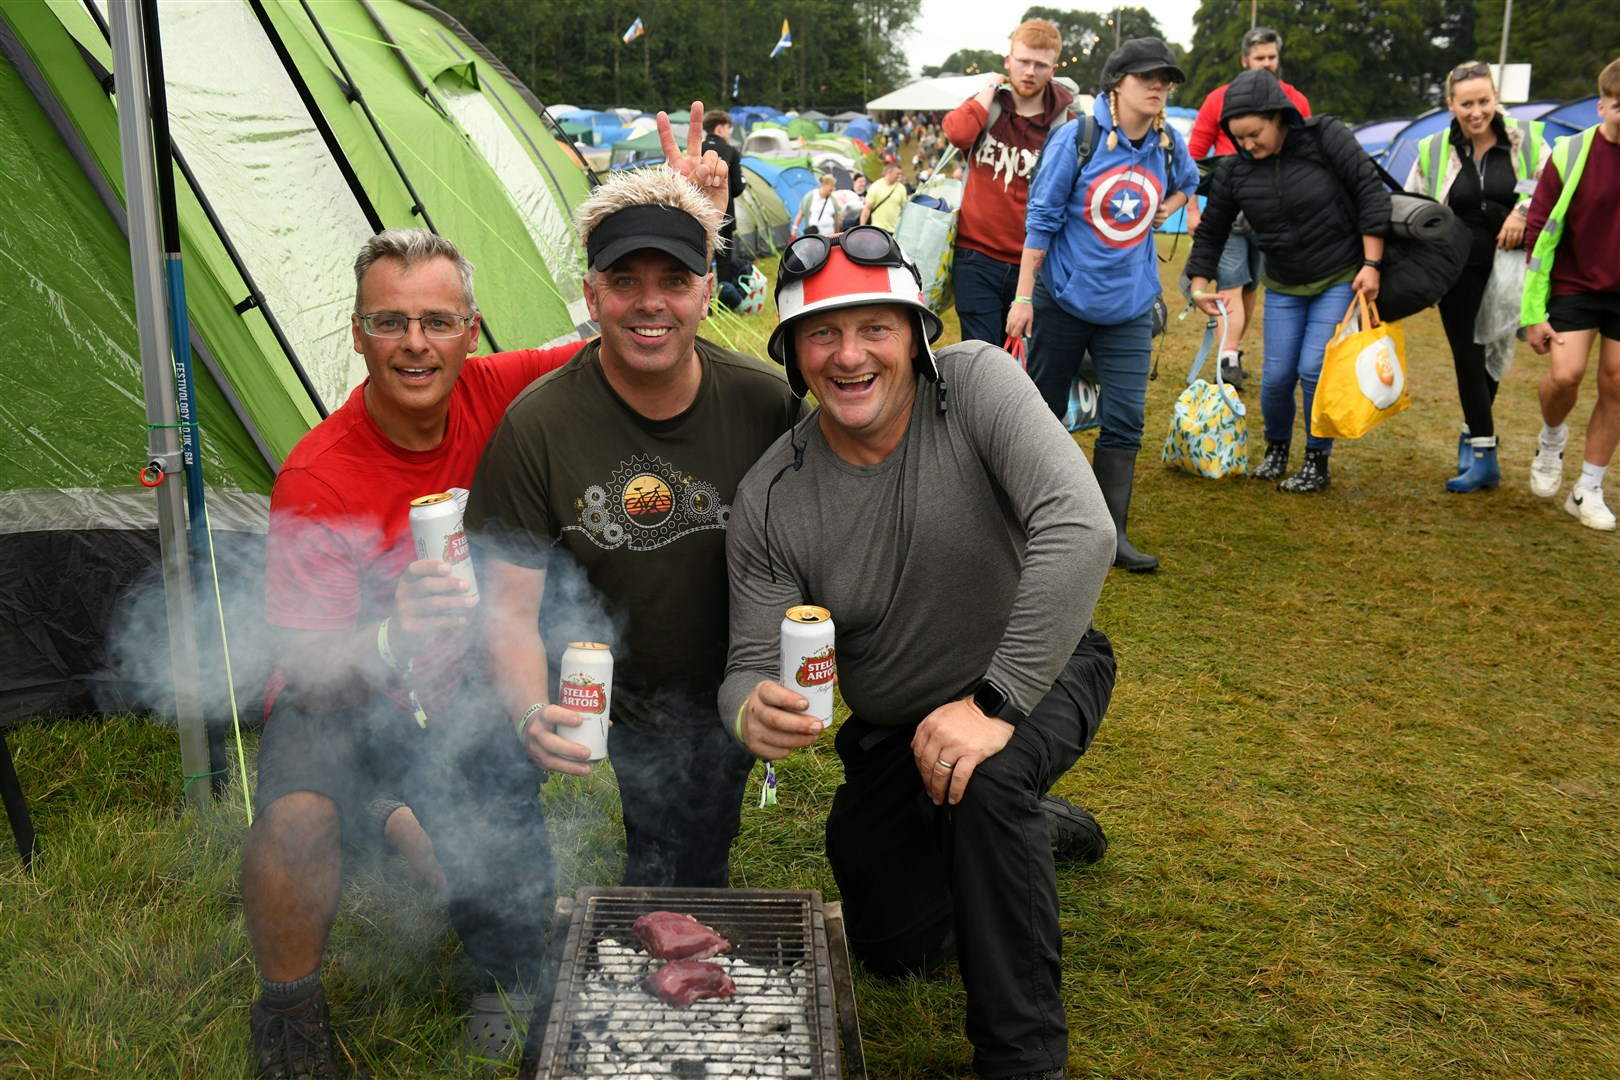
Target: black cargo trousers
{"points": [[920, 881]]}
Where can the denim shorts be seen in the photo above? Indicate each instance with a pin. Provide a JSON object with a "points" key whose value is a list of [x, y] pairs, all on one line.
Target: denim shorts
{"points": [[1240, 264]]}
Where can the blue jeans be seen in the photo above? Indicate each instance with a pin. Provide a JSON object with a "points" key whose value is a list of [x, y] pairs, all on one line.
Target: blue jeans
{"points": [[1120, 355], [1298, 329], [984, 291]]}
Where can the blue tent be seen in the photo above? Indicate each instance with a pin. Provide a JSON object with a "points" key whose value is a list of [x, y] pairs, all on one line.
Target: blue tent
{"points": [[860, 129], [791, 184], [744, 117], [1573, 116], [1375, 135], [1403, 146]]}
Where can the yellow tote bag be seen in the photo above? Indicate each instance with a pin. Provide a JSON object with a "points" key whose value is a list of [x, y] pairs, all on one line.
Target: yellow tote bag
{"points": [[1363, 378]]}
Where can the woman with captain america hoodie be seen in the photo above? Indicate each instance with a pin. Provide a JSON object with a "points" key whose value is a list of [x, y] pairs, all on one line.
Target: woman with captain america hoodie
{"points": [[1089, 272], [1318, 211]]}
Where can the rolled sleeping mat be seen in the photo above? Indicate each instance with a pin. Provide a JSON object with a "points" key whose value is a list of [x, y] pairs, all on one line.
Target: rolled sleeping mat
{"points": [[1416, 218]]}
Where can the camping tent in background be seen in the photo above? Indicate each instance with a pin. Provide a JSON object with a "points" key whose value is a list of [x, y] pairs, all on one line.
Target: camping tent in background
{"points": [[1573, 116], [804, 129], [767, 140], [862, 129], [762, 218], [744, 117], [644, 149], [1403, 146], [792, 182], [946, 92], [1374, 136], [270, 219]]}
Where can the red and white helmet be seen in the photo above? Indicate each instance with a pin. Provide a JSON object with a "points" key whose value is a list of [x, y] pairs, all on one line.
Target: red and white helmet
{"points": [[842, 283]]}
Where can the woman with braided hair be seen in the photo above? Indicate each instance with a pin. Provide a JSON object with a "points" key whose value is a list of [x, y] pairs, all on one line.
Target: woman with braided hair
{"points": [[1089, 274]]}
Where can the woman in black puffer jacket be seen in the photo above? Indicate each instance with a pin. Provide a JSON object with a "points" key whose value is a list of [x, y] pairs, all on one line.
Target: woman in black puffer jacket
{"points": [[1318, 211]]}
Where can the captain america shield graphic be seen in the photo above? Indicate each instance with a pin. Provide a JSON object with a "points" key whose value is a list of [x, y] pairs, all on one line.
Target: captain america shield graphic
{"points": [[1120, 205]]}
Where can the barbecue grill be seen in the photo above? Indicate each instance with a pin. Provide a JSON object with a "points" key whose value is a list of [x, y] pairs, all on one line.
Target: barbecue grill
{"points": [[793, 1000]]}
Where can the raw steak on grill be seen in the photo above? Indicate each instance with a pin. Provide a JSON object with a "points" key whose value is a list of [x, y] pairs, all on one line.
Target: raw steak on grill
{"points": [[681, 982], [670, 935]]}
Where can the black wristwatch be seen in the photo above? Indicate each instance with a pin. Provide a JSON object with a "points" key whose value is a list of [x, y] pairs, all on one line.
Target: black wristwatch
{"points": [[992, 700], [1376, 264]]}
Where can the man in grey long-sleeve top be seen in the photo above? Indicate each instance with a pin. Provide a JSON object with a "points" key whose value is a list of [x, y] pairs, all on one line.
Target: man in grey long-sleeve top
{"points": [[960, 541]]}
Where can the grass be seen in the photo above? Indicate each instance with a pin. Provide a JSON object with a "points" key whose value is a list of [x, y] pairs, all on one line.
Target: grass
{"points": [[1360, 776]]}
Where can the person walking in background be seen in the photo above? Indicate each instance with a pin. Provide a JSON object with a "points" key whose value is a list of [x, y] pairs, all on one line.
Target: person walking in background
{"points": [[1239, 272], [818, 211], [717, 125], [885, 198], [1318, 211], [1000, 130], [1089, 271], [1483, 165], [1572, 298]]}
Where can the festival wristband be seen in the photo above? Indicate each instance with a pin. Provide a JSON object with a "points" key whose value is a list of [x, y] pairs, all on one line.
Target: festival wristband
{"points": [[737, 728], [523, 722], [383, 650], [1022, 300]]}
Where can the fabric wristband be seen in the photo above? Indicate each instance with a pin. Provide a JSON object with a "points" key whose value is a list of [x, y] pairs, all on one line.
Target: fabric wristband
{"points": [[383, 650], [523, 722], [1022, 300], [736, 730]]}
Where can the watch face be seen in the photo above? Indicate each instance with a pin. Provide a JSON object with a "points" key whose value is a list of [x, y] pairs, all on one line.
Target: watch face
{"points": [[990, 698]]}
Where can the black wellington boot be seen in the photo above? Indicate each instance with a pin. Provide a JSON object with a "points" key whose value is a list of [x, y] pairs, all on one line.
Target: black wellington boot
{"points": [[1116, 473]]}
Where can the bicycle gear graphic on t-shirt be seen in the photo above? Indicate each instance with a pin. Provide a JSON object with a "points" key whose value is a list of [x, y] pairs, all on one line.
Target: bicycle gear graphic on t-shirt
{"points": [[648, 503]]}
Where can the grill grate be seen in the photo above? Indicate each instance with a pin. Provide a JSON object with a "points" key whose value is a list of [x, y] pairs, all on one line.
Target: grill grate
{"points": [[781, 1022]]}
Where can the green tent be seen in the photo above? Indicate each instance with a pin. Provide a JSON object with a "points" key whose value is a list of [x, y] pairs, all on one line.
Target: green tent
{"points": [[762, 218], [328, 121], [643, 148]]}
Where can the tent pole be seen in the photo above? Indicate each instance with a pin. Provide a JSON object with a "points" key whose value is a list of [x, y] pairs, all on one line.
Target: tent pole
{"points": [[157, 374]]}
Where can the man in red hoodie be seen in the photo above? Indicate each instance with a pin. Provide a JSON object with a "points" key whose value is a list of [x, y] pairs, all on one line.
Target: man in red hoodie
{"points": [[1240, 260], [1001, 150]]}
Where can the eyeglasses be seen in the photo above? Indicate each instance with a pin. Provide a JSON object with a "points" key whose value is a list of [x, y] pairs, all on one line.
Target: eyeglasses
{"points": [[1470, 71], [864, 244], [391, 324]]}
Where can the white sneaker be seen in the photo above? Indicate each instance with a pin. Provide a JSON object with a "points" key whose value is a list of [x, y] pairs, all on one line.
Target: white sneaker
{"points": [[1547, 470], [1586, 505]]}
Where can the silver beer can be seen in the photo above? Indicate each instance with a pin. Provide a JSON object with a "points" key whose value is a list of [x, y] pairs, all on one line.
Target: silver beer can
{"points": [[436, 528], [585, 686], [808, 657]]}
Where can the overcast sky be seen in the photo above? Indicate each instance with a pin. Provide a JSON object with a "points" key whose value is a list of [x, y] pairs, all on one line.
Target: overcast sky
{"points": [[948, 25]]}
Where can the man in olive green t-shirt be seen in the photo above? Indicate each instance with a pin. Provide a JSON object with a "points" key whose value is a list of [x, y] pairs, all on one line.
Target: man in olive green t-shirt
{"points": [[884, 200]]}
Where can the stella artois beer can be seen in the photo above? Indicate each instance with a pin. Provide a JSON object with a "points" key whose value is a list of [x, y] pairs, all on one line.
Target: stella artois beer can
{"points": [[436, 528], [808, 657], [585, 685]]}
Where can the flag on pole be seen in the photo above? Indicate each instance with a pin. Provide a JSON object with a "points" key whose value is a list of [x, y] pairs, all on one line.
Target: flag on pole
{"points": [[736, 84], [635, 31], [785, 42]]}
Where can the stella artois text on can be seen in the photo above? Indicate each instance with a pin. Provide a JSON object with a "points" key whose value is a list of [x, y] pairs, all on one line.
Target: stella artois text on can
{"points": [[436, 528], [585, 685], [808, 658]]}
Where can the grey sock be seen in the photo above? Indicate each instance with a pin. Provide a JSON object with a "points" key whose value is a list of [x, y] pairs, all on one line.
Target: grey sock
{"points": [[297, 990]]}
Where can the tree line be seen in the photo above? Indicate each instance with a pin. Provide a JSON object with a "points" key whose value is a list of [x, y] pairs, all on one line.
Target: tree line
{"points": [[1358, 59], [844, 52]]}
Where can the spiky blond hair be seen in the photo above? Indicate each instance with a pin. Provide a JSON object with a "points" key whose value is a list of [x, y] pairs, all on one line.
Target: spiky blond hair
{"points": [[656, 186]]}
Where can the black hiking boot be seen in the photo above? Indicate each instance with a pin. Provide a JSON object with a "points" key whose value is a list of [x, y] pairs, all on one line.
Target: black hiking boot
{"points": [[1232, 370], [292, 1042], [1312, 475], [1075, 833], [1275, 464]]}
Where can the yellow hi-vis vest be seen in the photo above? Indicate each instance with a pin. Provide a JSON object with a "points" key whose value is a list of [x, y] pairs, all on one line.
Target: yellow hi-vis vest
{"points": [[1569, 158], [1434, 154]]}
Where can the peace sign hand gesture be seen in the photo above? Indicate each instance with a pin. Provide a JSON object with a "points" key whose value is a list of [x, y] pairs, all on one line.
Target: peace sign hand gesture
{"points": [[707, 172]]}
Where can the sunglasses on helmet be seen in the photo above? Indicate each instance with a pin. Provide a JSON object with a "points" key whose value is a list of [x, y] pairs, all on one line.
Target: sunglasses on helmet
{"points": [[864, 244]]}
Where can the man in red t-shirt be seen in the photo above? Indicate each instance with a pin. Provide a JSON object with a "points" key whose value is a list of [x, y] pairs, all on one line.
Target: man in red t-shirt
{"points": [[1001, 157], [1239, 271], [370, 637]]}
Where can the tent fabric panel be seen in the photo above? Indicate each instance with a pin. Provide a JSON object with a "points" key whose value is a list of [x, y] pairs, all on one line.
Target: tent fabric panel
{"points": [[73, 415], [268, 175], [464, 198], [1403, 145], [259, 373], [83, 625]]}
